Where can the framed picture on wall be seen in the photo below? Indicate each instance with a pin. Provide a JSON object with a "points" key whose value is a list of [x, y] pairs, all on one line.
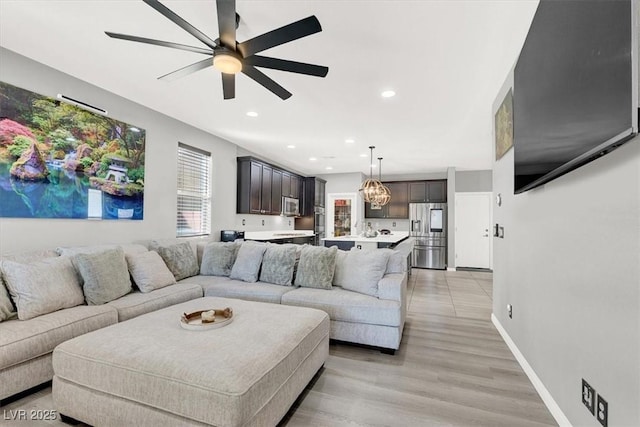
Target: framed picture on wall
{"points": [[61, 161], [504, 126]]}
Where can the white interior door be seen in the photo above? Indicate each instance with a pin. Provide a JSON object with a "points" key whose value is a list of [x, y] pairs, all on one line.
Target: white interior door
{"points": [[473, 238]]}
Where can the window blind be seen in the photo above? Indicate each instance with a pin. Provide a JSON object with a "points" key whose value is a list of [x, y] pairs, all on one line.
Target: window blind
{"points": [[194, 191]]}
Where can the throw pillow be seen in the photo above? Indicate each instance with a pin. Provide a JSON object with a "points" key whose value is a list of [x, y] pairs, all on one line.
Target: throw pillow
{"points": [[180, 259], [316, 267], [397, 261], [105, 275], [149, 271], [218, 258], [42, 287], [362, 270], [7, 311], [277, 264], [247, 264]]}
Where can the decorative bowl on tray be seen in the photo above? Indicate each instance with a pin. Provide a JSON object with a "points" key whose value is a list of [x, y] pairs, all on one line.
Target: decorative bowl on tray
{"points": [[203, 320]]}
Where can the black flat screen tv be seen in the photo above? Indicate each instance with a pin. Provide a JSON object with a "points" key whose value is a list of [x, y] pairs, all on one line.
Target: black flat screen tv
{"points": [[575, 94]]}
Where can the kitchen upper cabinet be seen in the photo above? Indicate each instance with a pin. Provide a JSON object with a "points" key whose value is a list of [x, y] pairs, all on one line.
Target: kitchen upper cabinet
{"points": [[276, 192], [261, 187], [417, 192], [428, 191], [295, 187], [437, 191], [319, 196], [265, 205], [398, 206]]}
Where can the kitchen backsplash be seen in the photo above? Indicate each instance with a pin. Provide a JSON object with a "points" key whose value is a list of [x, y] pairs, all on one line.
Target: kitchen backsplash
{"points": [[263, 222], [377, 224]]}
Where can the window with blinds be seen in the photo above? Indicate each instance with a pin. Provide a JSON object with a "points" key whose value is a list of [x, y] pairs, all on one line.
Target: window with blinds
{"points": [[194, 191]]}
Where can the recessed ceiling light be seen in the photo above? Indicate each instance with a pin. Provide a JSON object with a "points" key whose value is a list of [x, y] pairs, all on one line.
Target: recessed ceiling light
{"points": [[252, 114], [350, 140], [329, 168], [291, 146], [363, 155], [313, 159], [388, 94], [373, 166]]}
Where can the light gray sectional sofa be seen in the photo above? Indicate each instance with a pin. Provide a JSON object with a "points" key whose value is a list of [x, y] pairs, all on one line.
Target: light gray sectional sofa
{"points": [[364, 294]]}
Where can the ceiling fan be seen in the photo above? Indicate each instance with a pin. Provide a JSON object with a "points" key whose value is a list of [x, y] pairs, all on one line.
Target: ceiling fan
{"points": [[231, 57]]}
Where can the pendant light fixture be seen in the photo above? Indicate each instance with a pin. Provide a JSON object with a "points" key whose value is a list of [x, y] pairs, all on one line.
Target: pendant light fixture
{"points": [[384, 194], [370, 188]]}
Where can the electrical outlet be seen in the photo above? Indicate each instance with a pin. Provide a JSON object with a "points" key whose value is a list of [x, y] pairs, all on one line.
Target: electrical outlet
{"points": [[289, 223], [602, 411], [244, 221], [263, 222], [510, 311], [394, 223], [588, 397]]}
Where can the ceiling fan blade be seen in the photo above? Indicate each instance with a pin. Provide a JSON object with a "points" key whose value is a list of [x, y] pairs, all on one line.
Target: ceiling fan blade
{"points": [[184, 71], [172, 16], [265, 81], [285, 65], [282, 35], [229, 85], [227, 22], [159, 43]]}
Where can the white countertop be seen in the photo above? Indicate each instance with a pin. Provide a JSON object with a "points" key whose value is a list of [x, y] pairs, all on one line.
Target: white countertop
{"points": [[394, 237], [277, 234]]}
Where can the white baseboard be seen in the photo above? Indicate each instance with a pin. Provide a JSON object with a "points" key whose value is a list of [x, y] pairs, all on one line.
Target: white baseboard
{"points": [[546, 397]]}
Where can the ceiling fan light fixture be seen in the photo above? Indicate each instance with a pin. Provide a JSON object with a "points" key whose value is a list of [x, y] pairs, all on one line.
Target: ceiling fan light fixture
{"points": [[227, 63]]}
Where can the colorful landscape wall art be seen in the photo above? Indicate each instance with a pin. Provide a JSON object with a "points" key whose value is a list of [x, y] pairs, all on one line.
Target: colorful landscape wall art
{"points": [[61, 161]]}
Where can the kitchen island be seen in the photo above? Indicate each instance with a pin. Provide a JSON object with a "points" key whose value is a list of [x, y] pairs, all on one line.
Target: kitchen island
{"points": [[361, 242], [281, 236]]}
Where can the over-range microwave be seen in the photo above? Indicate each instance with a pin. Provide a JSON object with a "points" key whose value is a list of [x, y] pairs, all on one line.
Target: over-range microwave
{"points": [[290, 206]]}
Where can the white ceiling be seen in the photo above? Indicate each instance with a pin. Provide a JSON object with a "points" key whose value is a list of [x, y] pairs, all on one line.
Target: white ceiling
{"points": [[445, 59]]}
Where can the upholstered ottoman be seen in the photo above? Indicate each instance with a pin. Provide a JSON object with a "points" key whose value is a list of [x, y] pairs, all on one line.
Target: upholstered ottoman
{"points": [[151, 371]]}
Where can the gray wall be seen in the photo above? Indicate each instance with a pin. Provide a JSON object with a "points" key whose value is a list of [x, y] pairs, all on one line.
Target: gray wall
{"points": [[163, 134], [474, 181], [346, 183], [569, 265]]}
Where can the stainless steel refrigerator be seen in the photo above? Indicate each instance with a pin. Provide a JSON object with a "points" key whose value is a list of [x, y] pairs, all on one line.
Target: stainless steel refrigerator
{"points": [[429, 228]]}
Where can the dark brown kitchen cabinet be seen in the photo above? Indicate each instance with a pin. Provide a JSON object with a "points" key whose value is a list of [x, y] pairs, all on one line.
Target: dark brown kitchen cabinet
{"points": [[276, 192], [261, 186], [398, 206], [434, 191], [265, 205], [319, 187], [295, 187]]}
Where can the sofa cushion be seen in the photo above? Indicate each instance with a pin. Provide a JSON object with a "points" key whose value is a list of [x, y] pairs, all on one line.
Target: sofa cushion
{"points": [[149, 272], [25, 340], [7, 310], [360, 270], [137, 303], [220, 286], [316, 267], [180, 258], [218, 258], [43, 286], [347, 306], [247, 264], [277, 264], [128, 249], [105, 275]]}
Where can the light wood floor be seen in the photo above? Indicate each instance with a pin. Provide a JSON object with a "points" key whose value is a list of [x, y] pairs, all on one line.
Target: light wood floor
{"points": [[452, 369]]}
